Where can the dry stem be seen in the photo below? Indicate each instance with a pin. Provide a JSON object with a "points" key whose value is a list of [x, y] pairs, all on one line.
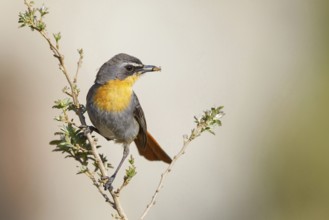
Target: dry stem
{"points": [[99, 187], [117, 205], [187, 140], [74, 94]]}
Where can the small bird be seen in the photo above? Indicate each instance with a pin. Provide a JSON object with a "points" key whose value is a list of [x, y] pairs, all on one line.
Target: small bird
{"points": [[115, 111]]}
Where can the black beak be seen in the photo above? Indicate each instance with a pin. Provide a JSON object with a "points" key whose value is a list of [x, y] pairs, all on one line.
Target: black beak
{"points": [[150, 68]]}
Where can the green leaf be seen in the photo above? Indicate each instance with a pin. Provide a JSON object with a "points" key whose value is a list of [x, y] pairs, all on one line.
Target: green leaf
{"points": [[55, 142], [62, 103], [40, 25], [57, 37], [130, 171]]}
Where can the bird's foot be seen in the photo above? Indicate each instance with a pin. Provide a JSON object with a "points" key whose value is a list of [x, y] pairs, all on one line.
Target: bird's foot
{"points": [[108, 183], [88, 129]]}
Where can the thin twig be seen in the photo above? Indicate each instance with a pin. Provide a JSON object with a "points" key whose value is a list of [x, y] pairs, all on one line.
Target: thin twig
{"points": [[67, 93], [99, 187], [79, 63], [98, 159], [210, 118], [62, 67], [187, 140], [121, 187], [74, 96]]}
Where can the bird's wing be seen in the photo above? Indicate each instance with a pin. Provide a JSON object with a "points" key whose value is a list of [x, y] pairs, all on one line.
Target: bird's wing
{"points": [[147, 146], [140, 118]]}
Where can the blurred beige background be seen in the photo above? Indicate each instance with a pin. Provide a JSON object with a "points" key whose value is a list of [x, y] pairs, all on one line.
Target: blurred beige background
{"points": [[265, 61]]}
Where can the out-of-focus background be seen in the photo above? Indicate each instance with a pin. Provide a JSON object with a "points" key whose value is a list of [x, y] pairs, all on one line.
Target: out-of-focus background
{"points": [[267, 62]]}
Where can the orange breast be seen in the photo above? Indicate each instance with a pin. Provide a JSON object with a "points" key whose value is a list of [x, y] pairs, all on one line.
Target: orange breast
{"points": [[115, 95]]}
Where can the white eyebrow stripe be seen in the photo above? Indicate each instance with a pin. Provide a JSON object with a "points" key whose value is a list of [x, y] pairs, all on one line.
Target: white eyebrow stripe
{"points": [[133, 64]]}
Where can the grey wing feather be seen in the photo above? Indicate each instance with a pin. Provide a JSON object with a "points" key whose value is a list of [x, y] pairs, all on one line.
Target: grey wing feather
{"points": [[140, 118]]}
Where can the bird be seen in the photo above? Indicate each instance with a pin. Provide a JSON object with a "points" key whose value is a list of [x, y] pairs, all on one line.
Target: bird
{"points": [[116, 113]]}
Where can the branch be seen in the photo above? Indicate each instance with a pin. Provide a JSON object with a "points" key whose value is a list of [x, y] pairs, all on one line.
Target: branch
{"points": [[99, 187], [74, 94], [79, 63], [117, 205], [205, 123], [33, 18]]}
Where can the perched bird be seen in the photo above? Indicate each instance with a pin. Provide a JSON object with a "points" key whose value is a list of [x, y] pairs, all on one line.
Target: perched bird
{"points": [[115, 111]]}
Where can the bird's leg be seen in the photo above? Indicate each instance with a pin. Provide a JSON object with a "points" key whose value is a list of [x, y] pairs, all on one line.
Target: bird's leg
{"points": [[108, 184]]}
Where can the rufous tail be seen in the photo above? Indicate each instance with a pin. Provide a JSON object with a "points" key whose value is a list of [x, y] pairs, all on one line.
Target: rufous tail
{"points": [[152, 151]]}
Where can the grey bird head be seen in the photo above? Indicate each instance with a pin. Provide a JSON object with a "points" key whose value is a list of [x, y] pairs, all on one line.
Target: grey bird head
{"points": [[120, 67]]}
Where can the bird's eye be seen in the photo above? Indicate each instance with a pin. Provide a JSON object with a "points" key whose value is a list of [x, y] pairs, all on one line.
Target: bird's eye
{"points": [[129, 68]]}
